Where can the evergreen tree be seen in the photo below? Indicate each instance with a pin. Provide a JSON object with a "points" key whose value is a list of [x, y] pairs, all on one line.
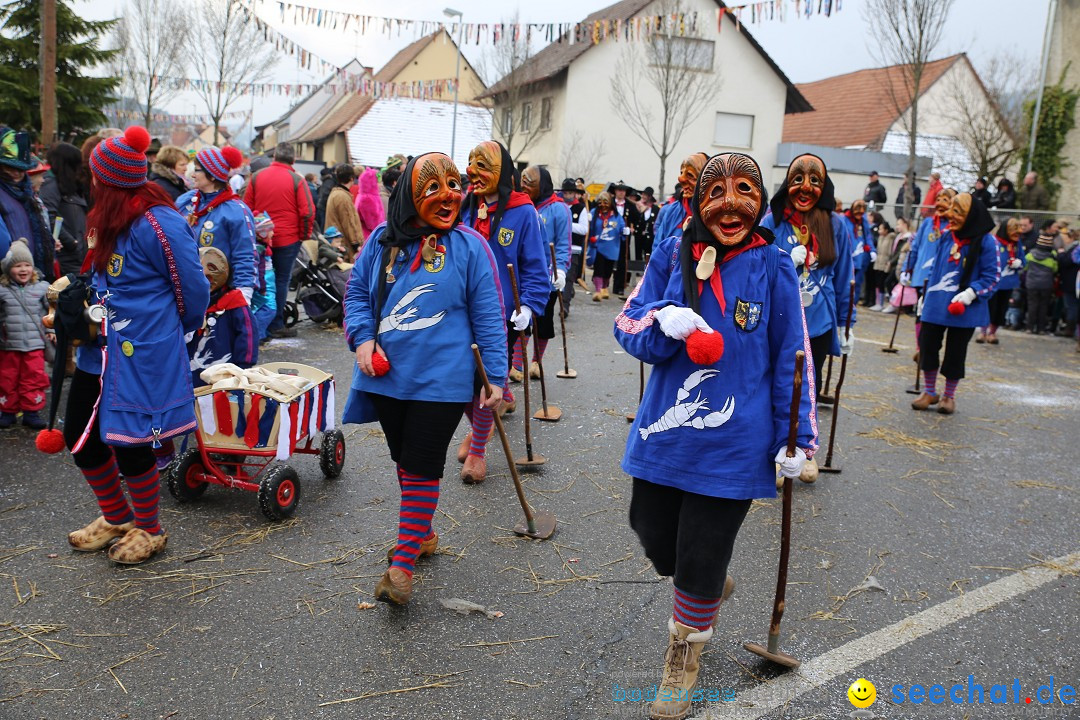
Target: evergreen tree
{"points": [[79, 96]]}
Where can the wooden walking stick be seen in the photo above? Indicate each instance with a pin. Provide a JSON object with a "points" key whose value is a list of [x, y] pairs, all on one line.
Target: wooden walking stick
{"points": [[566, 373], [547, 413], [531, 459], [828, 467], [823, 396], [771, 651], [915, 389], [538, 524], [896, 323]]}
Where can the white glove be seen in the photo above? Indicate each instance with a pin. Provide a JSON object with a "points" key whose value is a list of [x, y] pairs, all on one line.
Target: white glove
{"points": [[918, 305], [1015, 263], [873, 256], [678, 323], [798, 255], [905, 279], [560, 279], [847, 343], [967, 296], [520, 319], [626, 231], [790, 467], [247, 292]]}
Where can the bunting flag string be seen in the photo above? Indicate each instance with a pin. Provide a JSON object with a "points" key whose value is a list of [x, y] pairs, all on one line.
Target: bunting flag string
{"points": [[342, 83], [125, 114]]}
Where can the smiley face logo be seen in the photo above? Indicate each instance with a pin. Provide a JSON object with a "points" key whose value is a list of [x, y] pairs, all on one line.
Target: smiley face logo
{"points": [[862, 693]]}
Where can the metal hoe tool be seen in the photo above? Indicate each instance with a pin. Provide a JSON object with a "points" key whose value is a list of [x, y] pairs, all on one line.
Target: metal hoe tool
{"points": [[531, 459], [828, 467], [546, 413], [771, 651], [538, 524], [896, 323], [915, 389], [567, 373]]}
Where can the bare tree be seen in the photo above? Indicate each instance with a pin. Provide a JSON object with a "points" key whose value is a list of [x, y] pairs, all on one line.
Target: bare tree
{"points": [[151, 36], [674, 77], [228, 52], [581, 157], [517, 121], [906, 33]]}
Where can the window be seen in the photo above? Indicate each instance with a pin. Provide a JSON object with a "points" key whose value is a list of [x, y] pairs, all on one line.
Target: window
{"points": [[526, 116], [545, 113], [734, 130], [683, 52], [508, 122]]}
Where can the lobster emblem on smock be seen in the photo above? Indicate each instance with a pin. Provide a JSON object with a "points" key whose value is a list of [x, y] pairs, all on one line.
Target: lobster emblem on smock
{"points": [[685, 411], [404, 320]]}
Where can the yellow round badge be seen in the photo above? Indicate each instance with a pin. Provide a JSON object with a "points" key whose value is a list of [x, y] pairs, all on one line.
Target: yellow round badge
{"points": [[862, 693], [127, 348]]}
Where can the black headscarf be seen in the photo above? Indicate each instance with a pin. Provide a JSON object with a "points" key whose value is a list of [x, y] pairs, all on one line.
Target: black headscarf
{"points": [[976, 225], [508, 182], [697, 232], [547, 187], [826, 202]]}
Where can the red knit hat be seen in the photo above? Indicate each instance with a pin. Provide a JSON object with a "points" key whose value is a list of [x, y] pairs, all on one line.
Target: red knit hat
{"points": [[218, 163], [120, 161]]}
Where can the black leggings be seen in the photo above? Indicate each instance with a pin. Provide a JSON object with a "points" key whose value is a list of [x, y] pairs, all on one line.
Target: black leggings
{"points": [[819, 349], [999, 305], [133, 460], [602, 267], [418, 432], [686, 535], [956, 341]]}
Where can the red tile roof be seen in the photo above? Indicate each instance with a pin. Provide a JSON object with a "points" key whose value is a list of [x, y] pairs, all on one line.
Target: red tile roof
{"points": [[858, 108]]}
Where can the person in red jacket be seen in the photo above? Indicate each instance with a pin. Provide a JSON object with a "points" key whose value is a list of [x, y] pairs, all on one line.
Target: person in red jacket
{"points": [[285, 197]]}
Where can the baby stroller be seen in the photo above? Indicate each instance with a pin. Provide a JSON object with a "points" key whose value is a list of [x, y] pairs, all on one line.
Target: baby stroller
{"points": [[319, 278]]}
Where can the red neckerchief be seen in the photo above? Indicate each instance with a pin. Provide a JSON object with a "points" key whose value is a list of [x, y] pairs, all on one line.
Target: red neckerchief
{"points": [[715, 282], [686, 212], [428, 241], [483, 226], [937, 224], [224, 196], [857, 224], [545, 203], [958, 245], [228, 301], [795, 219], [1009, 246]]}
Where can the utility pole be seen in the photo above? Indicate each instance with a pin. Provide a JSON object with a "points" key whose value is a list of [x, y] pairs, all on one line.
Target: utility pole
{"points": [[1037, 115], [47, 63]]}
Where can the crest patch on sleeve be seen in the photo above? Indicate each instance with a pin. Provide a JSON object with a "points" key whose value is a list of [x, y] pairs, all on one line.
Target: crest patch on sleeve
{"points": [[747, 314]]}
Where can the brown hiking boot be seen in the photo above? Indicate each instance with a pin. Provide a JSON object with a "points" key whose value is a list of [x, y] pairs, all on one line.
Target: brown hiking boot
{"points": [[475, 470], [681, 668], [395, 586], [924, 401], [97, 535], [137, 546], [463, 448], [427, 548], [947, 406]]}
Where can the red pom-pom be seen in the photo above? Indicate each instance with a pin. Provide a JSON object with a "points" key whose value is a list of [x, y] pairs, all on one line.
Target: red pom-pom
{"points": [[957, 308], [50, 441], [380, 364], [232, 156], [137, 137], [705, 348]]}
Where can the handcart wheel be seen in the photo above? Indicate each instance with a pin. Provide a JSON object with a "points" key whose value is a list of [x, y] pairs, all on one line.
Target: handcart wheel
{"points": [[332, 456], [291, 314], [279, 492], [185, 483]]}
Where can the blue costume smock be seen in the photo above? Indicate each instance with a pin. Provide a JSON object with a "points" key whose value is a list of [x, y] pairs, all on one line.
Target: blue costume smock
{"points": [[715, 430], [519, 242], [944, 282], [430, 318], [862, 246], [1010, 277], [670, 219], [228, 335], [830, 286], [230, 227], [923, 249], [608, 233], [555, 221]]}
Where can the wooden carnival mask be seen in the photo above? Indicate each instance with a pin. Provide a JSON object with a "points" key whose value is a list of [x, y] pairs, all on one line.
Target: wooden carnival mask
{"points": [[215, 267], [436, 190], [730, 197], [958, 211], [530, 182], [857, 209], [943, 201], [805, 182], [689, 172], [484, 168], [603, 202], [1012, 229]]}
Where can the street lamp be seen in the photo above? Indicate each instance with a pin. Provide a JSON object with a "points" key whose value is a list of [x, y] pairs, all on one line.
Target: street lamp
{"points": [[452, 13]]}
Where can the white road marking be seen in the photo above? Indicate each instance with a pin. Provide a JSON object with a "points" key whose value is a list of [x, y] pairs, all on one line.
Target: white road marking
{"points": [[1059, 373], [883, 344], [767, 697]]}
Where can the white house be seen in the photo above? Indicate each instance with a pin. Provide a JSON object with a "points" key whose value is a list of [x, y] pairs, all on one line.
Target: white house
{"points": [[558, 107]]}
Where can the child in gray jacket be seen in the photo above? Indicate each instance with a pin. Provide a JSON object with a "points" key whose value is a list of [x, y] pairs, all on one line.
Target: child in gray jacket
{"points": [[22, 339]]}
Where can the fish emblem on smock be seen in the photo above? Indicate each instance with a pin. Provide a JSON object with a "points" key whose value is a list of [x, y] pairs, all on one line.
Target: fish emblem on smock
{"points": [[403, 317], [684, 413]]}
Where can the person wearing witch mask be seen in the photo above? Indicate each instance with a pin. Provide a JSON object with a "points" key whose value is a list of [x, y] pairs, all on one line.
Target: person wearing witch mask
{"points": [[1011, 262], [705, 439], [605, 236], [962, 279], [422, 290], [819, 244], [506, 218], [672, 216], [863, 239], [555, 222], [219, 217], [920, 260]]}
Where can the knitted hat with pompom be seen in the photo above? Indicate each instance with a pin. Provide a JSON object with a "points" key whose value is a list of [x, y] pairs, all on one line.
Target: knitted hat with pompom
{"points": [[121, 161], [219, 163]]}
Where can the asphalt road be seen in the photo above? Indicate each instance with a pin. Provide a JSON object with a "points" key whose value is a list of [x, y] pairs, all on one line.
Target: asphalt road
{"points": [[243, 618]]}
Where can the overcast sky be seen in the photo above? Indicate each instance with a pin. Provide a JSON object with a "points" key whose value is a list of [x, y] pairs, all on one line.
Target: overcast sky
{"points": [[804, 49]]}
